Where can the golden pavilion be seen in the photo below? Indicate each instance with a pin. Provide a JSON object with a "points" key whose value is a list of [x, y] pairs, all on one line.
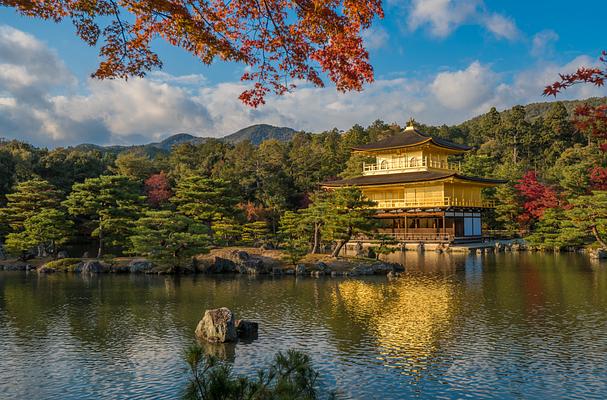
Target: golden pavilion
{"points": [[419, 195]]}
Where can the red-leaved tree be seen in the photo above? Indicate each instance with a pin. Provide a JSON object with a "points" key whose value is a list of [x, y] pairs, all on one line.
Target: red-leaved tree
{"points": [[280, 41], [537, 197], [158, 189], [592, 120]]}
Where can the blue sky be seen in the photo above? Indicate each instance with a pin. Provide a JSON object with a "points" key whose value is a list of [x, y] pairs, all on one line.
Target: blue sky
{"points": [[440, 61]]}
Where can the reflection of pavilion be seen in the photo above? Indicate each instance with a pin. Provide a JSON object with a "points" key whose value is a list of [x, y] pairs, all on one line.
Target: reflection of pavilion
{"points": [[408, 317], [429, 262]]}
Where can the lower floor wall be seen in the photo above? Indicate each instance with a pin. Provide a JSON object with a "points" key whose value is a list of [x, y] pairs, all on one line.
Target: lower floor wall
{"points": [[437, 226]]}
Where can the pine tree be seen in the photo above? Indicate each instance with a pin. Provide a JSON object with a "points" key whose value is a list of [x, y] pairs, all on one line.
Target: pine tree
{"points": [[256, 233], [350, 214], [294, 236], [588, 218], [385, 244], [169, 238], [315, 217], [205, 199], [226, 231], [110, 205], [46, 230], [27, 199], [549, 232]]}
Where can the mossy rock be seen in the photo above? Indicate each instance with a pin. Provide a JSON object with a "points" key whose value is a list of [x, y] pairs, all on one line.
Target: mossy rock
{"points": [[62, 265]]}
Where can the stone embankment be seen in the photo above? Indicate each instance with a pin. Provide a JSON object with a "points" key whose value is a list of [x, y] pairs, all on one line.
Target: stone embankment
{"points": [[243, 262], [247, 261]]}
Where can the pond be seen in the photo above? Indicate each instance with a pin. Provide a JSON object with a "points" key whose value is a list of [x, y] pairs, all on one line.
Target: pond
{"points": [[507, 325]]}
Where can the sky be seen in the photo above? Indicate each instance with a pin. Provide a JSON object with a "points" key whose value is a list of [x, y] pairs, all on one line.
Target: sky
{"points": [[438, 61]]}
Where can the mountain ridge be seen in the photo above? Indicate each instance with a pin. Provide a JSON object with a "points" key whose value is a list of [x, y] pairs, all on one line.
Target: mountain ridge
{"points": [[256, 134]]}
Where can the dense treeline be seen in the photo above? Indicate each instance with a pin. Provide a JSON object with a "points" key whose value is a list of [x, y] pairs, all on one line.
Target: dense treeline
{"points": [[221, 193]]}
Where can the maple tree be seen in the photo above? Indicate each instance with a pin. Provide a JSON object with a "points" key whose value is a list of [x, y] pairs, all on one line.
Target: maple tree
{"points": [[280, 41], [158, 189], [537, 197], [589, 119]]}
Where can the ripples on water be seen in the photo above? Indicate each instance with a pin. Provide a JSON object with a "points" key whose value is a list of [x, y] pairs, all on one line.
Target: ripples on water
{"points": [[503, 326]]}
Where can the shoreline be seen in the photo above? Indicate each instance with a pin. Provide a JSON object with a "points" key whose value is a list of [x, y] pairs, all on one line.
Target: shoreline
{"points": [[219, 261]]}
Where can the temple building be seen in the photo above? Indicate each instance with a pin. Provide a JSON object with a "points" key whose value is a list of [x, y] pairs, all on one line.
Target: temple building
{"points": [[420, 195]]}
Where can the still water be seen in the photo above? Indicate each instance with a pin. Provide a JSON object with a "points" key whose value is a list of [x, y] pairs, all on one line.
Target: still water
{"points": [[486, 326]]}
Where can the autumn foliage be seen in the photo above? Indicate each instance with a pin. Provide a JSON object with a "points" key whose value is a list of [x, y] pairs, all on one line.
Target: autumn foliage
{"points": [[537, 197], [158, 189], [591, 120], [280, 41]]}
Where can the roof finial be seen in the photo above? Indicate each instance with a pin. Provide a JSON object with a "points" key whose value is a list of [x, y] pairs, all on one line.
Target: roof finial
{"points": [[410, 124]]}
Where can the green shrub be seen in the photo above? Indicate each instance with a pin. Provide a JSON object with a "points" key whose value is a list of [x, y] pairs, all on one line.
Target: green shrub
{"points": [[64, 265], [289, 376]]}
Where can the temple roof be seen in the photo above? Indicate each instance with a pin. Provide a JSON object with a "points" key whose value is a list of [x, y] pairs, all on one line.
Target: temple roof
{"points": [[408, 177], [410, 136]]}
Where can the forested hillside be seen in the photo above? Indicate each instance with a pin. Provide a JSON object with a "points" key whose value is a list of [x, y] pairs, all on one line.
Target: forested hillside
{"points": [[537, 148]]}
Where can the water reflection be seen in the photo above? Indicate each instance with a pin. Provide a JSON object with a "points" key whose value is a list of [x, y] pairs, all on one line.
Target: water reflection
{"points": [[456, 325], [408, 318]]}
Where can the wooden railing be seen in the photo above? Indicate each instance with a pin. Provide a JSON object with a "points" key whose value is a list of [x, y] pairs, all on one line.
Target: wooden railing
{"points": [[404, 164], [414, 236], [435, 201]]}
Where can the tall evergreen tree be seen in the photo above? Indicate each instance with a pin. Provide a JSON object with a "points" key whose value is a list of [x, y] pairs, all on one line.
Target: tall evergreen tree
{"points": [[45, 231], [316, 217], [588, 218], [27, 199], [350, 215], [109, 205], [169, 238], [205, 199]]}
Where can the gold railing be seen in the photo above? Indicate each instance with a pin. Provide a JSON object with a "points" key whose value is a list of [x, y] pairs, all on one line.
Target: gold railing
{"points": [[437, 201], [404, 164]]}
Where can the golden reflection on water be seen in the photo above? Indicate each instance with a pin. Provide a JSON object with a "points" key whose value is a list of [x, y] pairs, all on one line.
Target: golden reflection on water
{"points": [[408, 317]]}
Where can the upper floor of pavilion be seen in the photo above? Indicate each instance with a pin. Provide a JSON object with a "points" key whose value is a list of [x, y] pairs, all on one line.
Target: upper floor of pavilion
{"points": [[410, 151]]}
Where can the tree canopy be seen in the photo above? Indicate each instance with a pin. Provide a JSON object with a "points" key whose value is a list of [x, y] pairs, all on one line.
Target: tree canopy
{"points": [[279, 41]]}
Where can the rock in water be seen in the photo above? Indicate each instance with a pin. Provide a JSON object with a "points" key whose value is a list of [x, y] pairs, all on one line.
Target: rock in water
{"points": [[217, 326], [246, 329], [62, 254]]}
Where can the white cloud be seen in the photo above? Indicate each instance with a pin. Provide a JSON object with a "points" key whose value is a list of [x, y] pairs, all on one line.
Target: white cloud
{"points": [[144, 110], [542, 43], [500, 26], [375, 38], [191, 79], [464, 89], [442, 17]]}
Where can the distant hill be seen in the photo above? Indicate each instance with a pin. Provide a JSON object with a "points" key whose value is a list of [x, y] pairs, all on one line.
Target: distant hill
{"points": [[534, 111], [256, 134], [179, 138]]}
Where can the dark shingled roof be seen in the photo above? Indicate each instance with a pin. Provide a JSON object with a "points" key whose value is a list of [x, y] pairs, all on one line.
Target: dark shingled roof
{"points": [[407, 177], [409, 137]]}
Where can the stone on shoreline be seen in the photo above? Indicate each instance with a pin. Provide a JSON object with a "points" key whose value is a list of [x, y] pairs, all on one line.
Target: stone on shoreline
{"points": [[217, 326], [140, 265], [17, 267], [236, 261], [92, 267], [598, 254]]}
